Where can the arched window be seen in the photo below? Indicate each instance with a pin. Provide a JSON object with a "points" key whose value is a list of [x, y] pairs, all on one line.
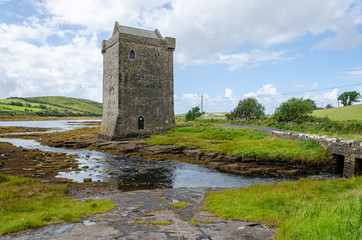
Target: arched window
{"points": [[132, 55], [141, 123]]}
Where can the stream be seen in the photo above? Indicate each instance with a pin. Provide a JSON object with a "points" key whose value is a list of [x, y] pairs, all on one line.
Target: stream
{"points": [[132, 172]]}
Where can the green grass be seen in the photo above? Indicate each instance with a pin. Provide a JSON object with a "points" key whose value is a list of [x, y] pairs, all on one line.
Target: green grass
{"points": [[181, 205], [242, 142], [353, 112], [307, 209], [160, 223], [27, 203], [49, 106], [349, 129]]}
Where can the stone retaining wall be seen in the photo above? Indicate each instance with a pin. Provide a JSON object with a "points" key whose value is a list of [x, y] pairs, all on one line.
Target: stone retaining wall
{"points": [[351, 150]]}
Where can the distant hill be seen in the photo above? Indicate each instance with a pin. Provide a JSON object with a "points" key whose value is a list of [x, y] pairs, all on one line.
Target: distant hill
{"points": [[353, 112], [49, 106]]}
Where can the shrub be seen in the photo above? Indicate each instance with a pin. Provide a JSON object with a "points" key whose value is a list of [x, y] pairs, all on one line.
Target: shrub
{"points": [[193, 114], [16, 103], [295, 109], [248, 108]]}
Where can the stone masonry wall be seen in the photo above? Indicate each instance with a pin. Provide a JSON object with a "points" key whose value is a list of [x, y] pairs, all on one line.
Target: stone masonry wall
{"points": [[350, 149], [137, 88]]}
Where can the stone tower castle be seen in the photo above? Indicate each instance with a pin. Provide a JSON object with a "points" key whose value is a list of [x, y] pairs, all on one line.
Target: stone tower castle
{"points": [[137, 83]]}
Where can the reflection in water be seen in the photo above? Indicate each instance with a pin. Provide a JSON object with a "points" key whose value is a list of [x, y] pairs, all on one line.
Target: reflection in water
{"points": [[140, 173], [132, 172], [146, 177], [54, 125]]}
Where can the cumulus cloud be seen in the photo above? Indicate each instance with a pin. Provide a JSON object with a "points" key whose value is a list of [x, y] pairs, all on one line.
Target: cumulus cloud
{"points": [[211, 104], [229, 93], [207, 32], [31, 69], [268, 96], [207, 29]]}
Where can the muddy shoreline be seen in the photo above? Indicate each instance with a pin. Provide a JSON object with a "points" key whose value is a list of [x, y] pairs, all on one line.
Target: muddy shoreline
{"points": [[136, 210], [87, 138]]}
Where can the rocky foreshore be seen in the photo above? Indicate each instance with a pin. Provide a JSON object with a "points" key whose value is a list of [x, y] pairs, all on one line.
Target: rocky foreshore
{"points": [[226, 163]]}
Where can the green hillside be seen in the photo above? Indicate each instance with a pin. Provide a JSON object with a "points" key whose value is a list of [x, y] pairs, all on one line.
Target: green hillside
{"points": [[353, 112], [49, 106]]}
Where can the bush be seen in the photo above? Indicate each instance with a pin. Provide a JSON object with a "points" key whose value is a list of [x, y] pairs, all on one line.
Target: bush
{"points": [[248, 108], [294, 110], [328, 106], [193, 114], [20, 104]]}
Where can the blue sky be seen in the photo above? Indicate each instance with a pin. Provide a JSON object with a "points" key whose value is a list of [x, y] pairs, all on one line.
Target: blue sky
{"points": [[225, 50]]}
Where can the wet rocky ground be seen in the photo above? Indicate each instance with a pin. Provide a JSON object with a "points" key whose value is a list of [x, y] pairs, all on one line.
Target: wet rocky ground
{"points": [[140, 214], [87, 139], [137, 212]]}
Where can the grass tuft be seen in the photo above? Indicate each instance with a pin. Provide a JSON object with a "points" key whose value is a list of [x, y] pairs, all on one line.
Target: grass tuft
{"points": [[160, 222], [181, 205], [27, 203]]}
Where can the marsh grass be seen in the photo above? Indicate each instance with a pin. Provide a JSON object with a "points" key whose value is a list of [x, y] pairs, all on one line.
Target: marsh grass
{"points": [[163, 223], [181, 205], [242, 142], [27, 203], [307, 209]]}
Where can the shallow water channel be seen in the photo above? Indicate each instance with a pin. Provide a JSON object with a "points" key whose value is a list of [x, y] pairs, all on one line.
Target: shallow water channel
{"points": [[132, 172]]}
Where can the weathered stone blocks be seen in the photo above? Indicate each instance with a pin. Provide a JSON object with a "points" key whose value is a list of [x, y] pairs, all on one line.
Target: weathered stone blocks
{"points": [[350, 149], [137, 83]]}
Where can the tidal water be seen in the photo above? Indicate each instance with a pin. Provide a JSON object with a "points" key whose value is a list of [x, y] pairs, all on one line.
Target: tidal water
{"points": [[53, 125], [132, 172]]}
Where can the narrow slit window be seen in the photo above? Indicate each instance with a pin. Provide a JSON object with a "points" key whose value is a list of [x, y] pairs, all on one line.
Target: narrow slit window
{"points": [[132, 55]]}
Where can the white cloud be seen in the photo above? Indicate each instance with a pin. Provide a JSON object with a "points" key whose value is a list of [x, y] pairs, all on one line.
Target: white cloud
{"points": [[315, 85], [253, 59], [268, 96], [72, 69], [229, 93], [298, 86], [210, 104], [207, 29], [323, 98], [207, 32], [355, 72]]}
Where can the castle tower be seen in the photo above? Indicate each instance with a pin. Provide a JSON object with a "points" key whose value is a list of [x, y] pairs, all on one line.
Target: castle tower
{"points": [[137, 83]]}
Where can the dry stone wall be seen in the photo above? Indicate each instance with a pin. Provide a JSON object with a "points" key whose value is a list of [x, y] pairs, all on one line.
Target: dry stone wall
{"points": [[349, 151]]}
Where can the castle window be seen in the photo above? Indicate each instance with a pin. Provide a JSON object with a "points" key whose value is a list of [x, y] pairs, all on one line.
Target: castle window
{"points": [[141, 123], [132, 55]]}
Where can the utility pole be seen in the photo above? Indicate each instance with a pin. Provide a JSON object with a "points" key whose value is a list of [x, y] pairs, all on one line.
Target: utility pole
{"points": [[338, 100], [202, 104]]}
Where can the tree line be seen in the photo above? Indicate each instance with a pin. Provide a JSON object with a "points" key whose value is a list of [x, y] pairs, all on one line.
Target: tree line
{"points": [[292, 110]]}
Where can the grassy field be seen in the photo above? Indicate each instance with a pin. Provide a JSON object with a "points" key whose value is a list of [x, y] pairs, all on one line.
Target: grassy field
{"points": [[241, 142], [353, 112], [27, 203], [307, 209], [48, 106]]}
